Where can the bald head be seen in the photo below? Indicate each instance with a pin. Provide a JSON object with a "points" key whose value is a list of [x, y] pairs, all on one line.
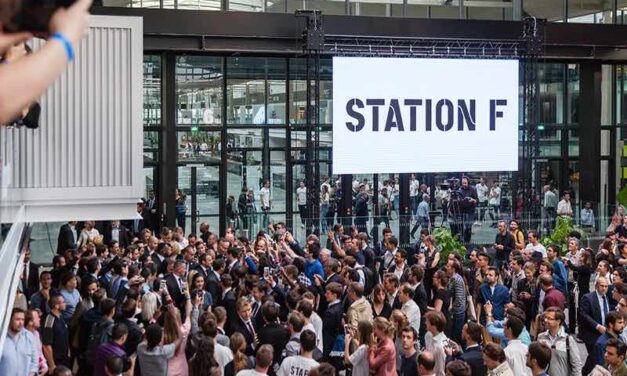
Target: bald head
{"points": [[426, 363]]}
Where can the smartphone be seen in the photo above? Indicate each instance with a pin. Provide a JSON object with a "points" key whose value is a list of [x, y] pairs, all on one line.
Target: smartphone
{"points": [[35, 16], [162, 285], [266, 272], [347, 329]]}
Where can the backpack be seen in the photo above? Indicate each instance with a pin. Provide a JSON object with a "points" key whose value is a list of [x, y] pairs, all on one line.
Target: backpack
{"points": [[100, 333]]}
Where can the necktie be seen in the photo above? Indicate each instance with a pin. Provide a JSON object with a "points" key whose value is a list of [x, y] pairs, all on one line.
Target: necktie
{"points": [[605, 309], [250, 328], [255, 308]]}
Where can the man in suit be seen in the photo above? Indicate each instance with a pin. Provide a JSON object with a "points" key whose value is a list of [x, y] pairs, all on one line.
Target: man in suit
{"points": [[331, 269], [210, 275], [114, 231], [593, 311], [242, 323], [473, 355], [68, 237], [332, 319], [232, 259], [227, 298], [272, 332], [391, 284], [176, 284], [29, 283], [150, 213]]}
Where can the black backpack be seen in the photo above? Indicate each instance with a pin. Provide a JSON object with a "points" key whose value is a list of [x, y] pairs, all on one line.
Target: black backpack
{"points": [[100, 333]]}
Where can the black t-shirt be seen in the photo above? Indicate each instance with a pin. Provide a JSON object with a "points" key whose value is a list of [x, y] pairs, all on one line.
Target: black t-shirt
{"points": [[55, 333], [443, 295], [409, 365]]}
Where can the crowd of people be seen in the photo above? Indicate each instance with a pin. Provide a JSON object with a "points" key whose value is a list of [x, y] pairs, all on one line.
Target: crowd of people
{"points": [[122, 300]]}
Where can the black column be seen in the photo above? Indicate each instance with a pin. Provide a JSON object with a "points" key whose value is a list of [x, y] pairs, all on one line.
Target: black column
{"points": [[590, 132], [168, 172], [404, 211], [224, 178], [346, 211]]}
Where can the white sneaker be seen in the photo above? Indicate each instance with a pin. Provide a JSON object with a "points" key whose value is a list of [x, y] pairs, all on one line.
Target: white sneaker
{"points": [[302, 225]]}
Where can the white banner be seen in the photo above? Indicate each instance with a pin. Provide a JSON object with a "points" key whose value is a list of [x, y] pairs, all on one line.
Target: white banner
{"points": [[400, 115]]}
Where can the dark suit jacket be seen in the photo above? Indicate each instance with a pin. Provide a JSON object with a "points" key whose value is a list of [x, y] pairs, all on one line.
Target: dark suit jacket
{"points": [[66, 239], [32, 285], [589, 317], [276, 335], [474, 358], [237, 325], [130, 224], [331, 323], [228, 302], [134, 338], [322, 306], [174, 289], [212, 282], [124, 239]]}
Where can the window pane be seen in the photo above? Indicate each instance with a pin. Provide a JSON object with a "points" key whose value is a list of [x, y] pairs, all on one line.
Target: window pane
{"points": [[199, 90], [276, 101], [573, 94], [149, 178], [247, 5], [277, 180], [152, 90], [550, 142], [552, 93], [245, 138], [199, 146], [246, 101]]}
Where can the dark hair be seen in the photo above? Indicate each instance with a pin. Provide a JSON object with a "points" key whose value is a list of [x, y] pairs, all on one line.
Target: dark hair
{"points": [[458, 368], [154, 335], [473, 330], [541, 353], [107, 306], [324, 369], [559, 314], [128, 308], [620, 347], [515, 325], [437, 319], [335, 288], [427, 360], [612, 317], [418, 272], [115, 365], [409, 329], [270, 312], [119, 330], [393, 241], [494, 352], [307, 340]]}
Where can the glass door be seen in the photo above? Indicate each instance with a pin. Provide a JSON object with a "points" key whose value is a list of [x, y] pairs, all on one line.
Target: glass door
{"points": [[200, 184]]}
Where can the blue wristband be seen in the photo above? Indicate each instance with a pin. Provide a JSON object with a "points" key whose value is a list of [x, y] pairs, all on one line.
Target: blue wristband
{"points": [[69, 50]]}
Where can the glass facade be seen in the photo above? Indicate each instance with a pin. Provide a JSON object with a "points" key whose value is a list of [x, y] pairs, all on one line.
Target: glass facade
{"points": [[589, 11], [243, 119]]}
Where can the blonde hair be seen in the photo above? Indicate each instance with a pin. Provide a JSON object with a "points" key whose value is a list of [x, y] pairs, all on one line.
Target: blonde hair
{"points": [[382, 324]]}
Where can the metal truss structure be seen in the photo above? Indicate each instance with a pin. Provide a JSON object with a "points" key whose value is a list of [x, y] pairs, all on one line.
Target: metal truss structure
{"points": [[528, 49]]}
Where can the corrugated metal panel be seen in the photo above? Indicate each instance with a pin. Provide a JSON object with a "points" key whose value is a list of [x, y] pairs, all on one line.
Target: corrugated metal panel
{"points": [[88, 149]]}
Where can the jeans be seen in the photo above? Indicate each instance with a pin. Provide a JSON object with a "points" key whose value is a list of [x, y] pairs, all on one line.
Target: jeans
{"points": [[457, 324], [302, 209], [324, 210]]}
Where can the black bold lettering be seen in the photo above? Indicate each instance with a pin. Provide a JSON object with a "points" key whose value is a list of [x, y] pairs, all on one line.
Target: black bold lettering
{"points": [[494, 114], [428, 115], [394, 119], [355, 115], [465, 115], [375, 103], [449, 115], [412, 103]]}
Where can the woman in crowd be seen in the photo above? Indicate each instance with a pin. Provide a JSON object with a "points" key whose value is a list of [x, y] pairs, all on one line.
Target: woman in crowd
{"points": [[429, 260], [379, 302], [441, 296], [198, 286], [358, 359], [527, 289], [583, 271], [177, 332], [204, 363], [240, 360], [382, 353]]}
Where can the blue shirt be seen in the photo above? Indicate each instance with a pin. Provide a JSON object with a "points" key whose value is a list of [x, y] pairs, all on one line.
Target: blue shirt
{"points": [[599, 348], [499, 298], [71, 301], [313, 267], [496, 329], [423, 210], [19, 355], [560, 276]]}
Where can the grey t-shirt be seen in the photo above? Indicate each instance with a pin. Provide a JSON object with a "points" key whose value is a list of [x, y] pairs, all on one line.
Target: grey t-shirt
{"points": [[154, 362]]}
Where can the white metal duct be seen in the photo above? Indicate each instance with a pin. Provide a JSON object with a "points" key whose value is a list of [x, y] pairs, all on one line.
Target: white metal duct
{"points": [[85, 160]]}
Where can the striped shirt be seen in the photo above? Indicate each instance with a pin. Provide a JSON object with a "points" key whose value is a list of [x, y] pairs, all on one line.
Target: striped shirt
{"points": [[457, 289]]}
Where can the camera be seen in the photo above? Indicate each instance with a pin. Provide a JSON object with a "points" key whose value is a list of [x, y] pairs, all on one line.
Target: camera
{"points": [[34, 16]]}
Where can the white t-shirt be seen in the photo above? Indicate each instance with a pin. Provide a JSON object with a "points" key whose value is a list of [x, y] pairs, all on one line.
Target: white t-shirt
{"points": [[296, 366], [301, 195], [537, 248], [482, 192], [250, 372], [264, 195], [223, 355], [495, 196], [359, 360], [414, 187]]}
